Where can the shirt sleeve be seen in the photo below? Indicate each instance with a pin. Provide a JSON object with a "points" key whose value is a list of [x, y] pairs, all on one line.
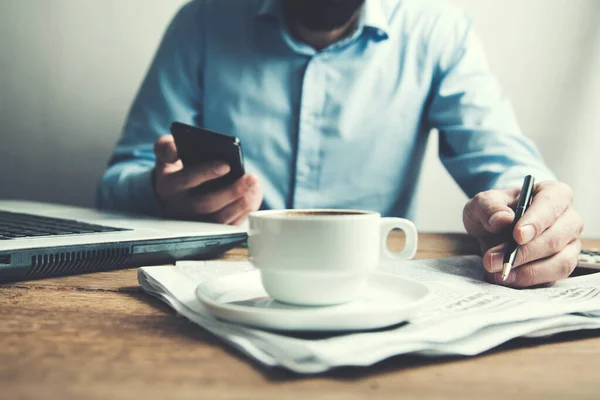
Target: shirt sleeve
{"points": [[171, 91], [480, 142]]}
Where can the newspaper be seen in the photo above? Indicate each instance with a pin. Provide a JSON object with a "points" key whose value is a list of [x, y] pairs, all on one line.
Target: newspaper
{"points": [[463, 316]]}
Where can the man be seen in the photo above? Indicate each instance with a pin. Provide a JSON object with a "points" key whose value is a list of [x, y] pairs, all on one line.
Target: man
{"points": [[333, 101]]}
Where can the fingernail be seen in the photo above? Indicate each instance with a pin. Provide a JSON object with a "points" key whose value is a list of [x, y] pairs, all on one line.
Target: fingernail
{"points": [[496, 262], [527, 233], [220, 169], [496, 216], [253, 190]]}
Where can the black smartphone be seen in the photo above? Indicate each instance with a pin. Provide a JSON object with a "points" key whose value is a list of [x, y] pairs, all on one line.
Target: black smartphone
{"points": [[198, 146]]}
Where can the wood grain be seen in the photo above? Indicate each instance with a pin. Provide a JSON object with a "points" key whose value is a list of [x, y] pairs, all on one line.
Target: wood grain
{"points": [[100, 336]]}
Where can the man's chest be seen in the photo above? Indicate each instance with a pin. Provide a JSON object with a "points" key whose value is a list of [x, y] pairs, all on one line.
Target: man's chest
{"points": [[330, 101]]}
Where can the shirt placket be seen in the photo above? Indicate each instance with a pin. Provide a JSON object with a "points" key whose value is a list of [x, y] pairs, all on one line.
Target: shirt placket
{"points": [[309, 134]]}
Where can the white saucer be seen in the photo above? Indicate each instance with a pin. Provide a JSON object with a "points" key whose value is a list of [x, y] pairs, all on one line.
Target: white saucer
{"points": [[386, 300]]}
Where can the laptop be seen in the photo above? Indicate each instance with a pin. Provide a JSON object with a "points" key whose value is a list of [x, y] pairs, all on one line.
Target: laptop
{"points": [[39, 240]]}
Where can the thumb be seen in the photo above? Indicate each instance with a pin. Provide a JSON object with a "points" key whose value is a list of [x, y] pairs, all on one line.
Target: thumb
{"points": [[490, 212], [165, 150]]}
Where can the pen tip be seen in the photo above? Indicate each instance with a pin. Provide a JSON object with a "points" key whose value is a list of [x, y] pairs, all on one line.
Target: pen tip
{"points": [[505, 271]]}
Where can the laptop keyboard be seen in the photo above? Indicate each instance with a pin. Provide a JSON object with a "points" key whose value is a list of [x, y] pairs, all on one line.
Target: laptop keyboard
{"points": [[19, 226]]}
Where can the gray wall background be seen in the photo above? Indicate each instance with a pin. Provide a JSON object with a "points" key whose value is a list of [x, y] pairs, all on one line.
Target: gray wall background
{"points": [[69, 70]]}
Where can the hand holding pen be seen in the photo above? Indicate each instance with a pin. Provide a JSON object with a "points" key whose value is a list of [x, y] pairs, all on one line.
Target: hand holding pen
{"points": [[546, 233]]}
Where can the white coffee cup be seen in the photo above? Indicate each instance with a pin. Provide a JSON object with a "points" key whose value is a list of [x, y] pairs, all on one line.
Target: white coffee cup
{"points": [[322, 257]]}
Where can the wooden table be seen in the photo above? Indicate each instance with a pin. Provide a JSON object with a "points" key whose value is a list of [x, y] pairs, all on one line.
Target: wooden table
{"points": [[99, 336]]}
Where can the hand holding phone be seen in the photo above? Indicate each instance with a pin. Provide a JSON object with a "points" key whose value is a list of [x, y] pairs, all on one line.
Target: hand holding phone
{"points": [[199, 175], [197, 146]]}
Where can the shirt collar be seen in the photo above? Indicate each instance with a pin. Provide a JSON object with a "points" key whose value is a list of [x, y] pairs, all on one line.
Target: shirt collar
{"points": [[373, 16]]}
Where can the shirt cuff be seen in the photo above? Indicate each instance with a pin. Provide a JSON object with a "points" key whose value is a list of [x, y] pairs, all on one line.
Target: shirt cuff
{"points": [[143, 194], [513, 178], [130, 188]]}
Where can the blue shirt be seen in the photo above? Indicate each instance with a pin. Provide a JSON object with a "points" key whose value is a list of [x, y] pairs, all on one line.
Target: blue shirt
{"points": [[344, 127]]}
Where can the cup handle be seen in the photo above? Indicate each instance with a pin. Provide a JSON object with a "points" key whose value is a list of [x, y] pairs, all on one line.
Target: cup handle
{"points": [[410, 231]]}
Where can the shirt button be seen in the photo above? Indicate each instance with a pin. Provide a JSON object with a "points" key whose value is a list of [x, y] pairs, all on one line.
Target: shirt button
{"points": [[304, 169]]}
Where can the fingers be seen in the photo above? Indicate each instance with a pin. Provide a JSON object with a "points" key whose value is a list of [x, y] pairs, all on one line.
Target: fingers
{"points": [[236, 212], [490, 212], [227, 206], [567, 228], [172, 184], [193, 176], [549, 203], [548, 234], [165, 150], [171, 174], [544, 271], [218, 200]]}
